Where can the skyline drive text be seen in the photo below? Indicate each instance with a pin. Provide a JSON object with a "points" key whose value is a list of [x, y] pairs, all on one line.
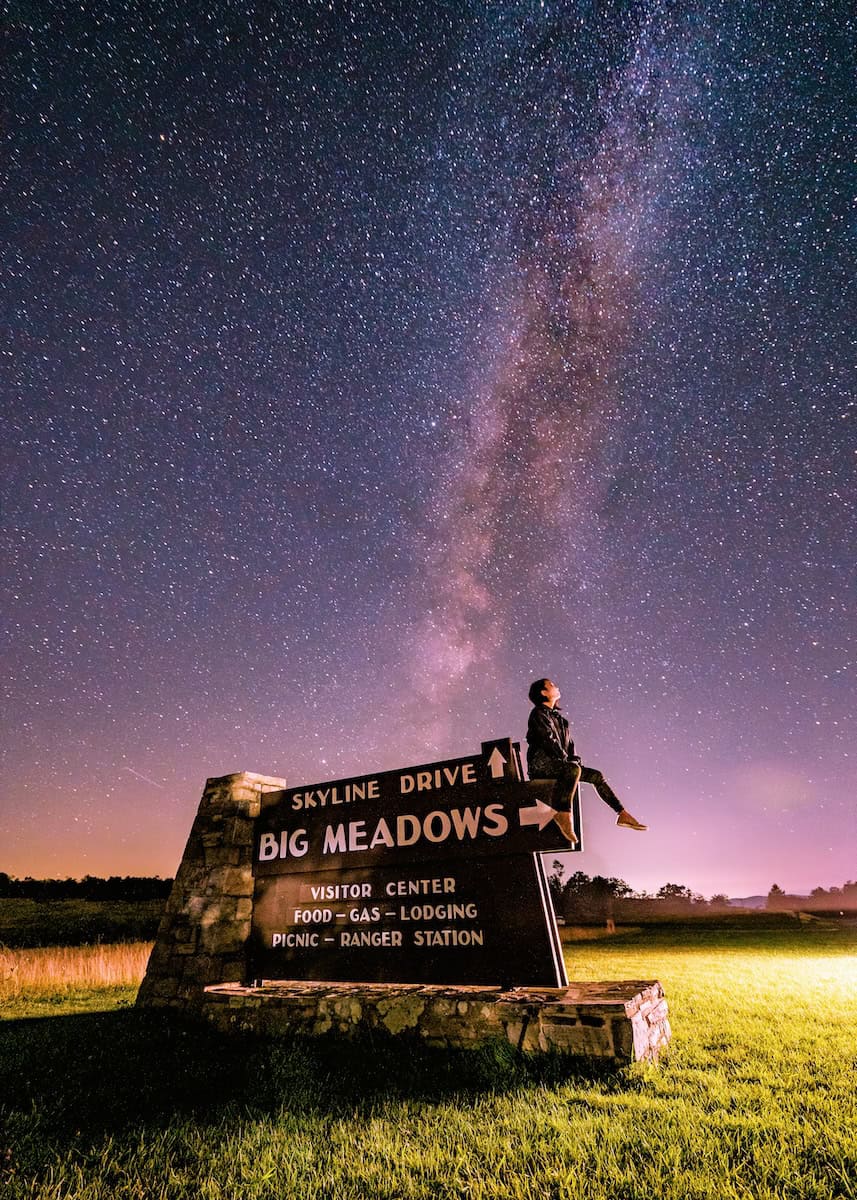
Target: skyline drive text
{"points": [[370, 788]]}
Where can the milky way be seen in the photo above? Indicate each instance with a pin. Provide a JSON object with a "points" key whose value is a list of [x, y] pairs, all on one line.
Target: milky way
{"points": [[365, 362], [532, 471]]}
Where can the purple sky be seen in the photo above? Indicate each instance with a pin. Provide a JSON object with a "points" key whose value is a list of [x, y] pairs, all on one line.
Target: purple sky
{"points": [[370, 361]]}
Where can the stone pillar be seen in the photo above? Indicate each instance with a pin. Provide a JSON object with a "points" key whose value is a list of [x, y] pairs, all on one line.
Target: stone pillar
{"points": [[206, 924]]}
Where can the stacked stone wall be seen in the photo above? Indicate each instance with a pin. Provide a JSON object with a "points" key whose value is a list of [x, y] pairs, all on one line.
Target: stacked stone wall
{"points": [[617, 1022], [203, 934]]}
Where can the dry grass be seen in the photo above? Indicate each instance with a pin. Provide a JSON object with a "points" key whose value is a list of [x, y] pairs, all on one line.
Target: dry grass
{"points": [[63, 970]]}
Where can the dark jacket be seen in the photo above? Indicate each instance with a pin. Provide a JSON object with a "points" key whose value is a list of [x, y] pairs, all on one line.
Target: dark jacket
{"points": [[548, 740]]}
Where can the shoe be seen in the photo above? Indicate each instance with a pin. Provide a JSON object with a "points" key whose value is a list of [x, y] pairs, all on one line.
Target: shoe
{"points": [[628, 822], [563, 820]]}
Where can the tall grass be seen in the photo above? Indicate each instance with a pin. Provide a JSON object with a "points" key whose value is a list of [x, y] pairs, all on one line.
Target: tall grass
{"points": [[63, 971]]}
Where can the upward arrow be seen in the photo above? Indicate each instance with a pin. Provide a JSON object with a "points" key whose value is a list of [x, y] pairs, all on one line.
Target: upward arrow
{"points": [[496, 763]]}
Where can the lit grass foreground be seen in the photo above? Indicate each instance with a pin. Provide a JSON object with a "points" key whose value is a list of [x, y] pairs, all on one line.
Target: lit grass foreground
{"points": [[757, 1099]]}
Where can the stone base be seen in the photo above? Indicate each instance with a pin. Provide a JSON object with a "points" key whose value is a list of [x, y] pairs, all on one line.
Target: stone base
{"points": [[614, 1022]]}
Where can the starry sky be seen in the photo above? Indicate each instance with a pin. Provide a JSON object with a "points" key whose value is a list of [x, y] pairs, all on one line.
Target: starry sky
{"points": [[363, 362]]}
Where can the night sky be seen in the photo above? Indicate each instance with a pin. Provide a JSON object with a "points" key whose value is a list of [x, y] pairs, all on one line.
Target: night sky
{"points": [[363, 362]]}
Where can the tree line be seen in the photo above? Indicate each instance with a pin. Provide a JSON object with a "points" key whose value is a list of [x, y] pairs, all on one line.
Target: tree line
{"points": [[834, 899], [584, 899], [91, 887]]}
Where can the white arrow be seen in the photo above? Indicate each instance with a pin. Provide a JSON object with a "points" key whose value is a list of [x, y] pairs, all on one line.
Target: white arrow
{"points": [[496, 763], [540, 815]]}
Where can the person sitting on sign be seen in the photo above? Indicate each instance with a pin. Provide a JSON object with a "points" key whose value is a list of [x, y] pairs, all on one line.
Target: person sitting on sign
{"points": [[550, 755]]}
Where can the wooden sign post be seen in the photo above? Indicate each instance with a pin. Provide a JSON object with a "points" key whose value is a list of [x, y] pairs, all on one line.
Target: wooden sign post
{"points": [[429, 874]]}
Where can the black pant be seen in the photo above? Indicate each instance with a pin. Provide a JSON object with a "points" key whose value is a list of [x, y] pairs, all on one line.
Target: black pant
{"points": [[567, 775]]}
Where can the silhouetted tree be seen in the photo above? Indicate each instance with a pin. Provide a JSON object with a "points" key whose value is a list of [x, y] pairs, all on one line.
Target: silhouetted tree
{"points": [[91, 887], [675, 891], [556, 885]]}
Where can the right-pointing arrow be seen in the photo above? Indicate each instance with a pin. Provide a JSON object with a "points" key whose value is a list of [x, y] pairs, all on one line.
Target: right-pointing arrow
{"points": [[540, 815]]}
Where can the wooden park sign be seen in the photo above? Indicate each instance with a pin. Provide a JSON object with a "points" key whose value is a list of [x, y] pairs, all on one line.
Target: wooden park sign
{"points": [[410, 902], [429, 874]]}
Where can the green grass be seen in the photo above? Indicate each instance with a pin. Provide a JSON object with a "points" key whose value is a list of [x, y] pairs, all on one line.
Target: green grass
{"points": [[74, 922], [756, 1100]]}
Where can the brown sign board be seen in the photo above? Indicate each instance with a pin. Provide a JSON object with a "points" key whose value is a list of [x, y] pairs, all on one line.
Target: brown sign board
{"points": [[428, 874]]}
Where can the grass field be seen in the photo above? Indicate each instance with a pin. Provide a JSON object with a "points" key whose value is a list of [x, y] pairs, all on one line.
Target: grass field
{"points": [[757, 1100], [74, 922]]}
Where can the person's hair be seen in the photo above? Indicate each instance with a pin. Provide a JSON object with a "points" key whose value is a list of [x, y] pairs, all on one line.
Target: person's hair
{"points": [[536, 690]]}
